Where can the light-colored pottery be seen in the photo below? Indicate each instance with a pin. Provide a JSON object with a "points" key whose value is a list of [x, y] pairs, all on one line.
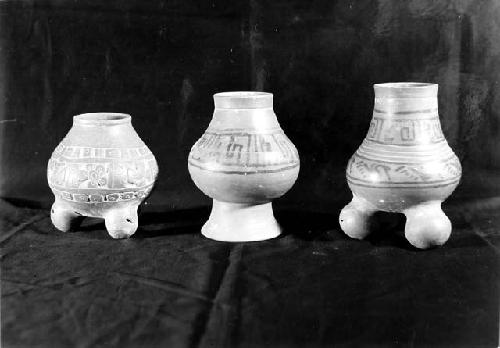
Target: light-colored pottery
{"points": [[101, 169], [403, 165], [243, 161]]}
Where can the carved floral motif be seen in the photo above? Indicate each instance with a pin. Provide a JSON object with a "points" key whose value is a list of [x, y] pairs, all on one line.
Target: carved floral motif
{"points": [[101, 168]]}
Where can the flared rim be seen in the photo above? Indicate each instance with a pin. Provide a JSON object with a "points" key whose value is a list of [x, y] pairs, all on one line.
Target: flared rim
{"points": [[102, 118], [243, 100]]}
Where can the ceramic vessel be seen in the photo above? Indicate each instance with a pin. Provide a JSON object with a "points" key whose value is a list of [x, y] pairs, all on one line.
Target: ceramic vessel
{"points": [[101, 169], [403, 165], [243, 161]]}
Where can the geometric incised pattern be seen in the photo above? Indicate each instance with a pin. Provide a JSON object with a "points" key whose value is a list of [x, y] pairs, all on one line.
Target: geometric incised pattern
{"points": [[438, 172], [103, 197], [123, 174], [83, 152], [405, 132], [243, 152]]}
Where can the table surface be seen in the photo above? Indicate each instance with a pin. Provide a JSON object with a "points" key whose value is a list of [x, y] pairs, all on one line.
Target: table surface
{"points": [[168, 286]]}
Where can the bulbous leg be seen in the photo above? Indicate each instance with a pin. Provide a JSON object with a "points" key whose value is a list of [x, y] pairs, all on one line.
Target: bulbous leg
{"points": [[355, 218], [122, 222], [427, 225], [64, 218]]}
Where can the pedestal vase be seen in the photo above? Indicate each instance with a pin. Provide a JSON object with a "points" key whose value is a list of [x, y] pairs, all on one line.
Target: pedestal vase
{"points": [[243, 161]]}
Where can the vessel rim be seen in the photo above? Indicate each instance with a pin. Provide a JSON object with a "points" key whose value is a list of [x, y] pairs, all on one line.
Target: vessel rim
{"points": [[243, 100], [102, 118], [404, 85]]}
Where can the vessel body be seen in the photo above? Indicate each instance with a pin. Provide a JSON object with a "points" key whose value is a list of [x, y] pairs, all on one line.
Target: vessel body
{"points": [[101, 169]]}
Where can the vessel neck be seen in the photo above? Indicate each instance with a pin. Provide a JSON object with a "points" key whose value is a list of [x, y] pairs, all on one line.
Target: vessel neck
{"points": [[405, 99], [243, 111], [405, 114], [103, 130]]}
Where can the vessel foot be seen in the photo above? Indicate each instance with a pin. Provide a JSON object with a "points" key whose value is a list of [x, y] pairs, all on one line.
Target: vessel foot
{"points": [[121, 223], [427, 225], [64, 218], [355, 218]]}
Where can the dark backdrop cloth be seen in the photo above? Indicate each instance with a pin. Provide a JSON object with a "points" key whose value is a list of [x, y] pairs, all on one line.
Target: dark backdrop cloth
{"points": [[170, 287], [161, 61]]}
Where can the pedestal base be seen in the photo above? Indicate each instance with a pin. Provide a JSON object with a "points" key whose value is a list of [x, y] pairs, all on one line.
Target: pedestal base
{"points": [[237, 222]]}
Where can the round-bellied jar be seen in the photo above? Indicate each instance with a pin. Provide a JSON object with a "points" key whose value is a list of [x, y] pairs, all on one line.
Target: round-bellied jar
{"points": [[243, 161], [403, 165], [101, 169]]}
